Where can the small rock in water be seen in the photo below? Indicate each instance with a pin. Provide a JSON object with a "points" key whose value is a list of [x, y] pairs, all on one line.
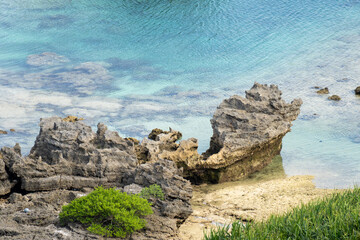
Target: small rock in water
{"points": [[334, 98], [357, 91], [12, 130], [323, 91], [26, 210], [3, 132]]}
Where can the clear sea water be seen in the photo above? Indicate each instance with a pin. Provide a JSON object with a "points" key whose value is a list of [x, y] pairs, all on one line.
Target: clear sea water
{"points": [[140, 64]]}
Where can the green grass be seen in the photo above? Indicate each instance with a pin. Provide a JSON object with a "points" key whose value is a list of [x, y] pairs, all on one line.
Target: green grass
{"points": [[334, 217]]}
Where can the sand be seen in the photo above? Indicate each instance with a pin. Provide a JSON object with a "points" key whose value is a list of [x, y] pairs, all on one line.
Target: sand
{"points": [[254, 199]]}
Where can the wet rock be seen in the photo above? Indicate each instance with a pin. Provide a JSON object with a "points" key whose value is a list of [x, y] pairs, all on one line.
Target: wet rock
{"points": [[12, 130], [46, 59], [3, 132], [334, 98], [357, 90], [323, 91], [247, 133]]}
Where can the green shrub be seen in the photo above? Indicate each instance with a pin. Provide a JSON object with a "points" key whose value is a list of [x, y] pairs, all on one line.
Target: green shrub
{"points": [[108, 212], [335, 217], [152, 191]]}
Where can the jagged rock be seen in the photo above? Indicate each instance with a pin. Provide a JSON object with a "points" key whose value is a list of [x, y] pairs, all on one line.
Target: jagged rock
{"points": [[174, 209], [68, 155], [3, 132], [334, 98], [163, 145], [247, 133], [357, 90], [41, 222], [323, 91]]}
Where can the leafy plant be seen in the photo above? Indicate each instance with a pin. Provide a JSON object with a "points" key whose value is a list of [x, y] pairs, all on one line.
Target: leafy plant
{"points": [[152, 191], [335, 217], [108, 212]]}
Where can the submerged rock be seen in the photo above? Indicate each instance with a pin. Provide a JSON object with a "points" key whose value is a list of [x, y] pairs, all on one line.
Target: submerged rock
{"points": [[334, 98], [247, 134], [46, 59], [357, 90], [323, 91]]}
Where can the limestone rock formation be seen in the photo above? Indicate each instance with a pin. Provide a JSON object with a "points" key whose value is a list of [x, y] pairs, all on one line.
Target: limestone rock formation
{"points": [[68, 155], [163, 145], [247, 133], [172, 211], [68, 160]]}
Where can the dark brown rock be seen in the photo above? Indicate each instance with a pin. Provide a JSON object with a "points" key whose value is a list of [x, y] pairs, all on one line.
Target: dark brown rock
{"points": [[357, 90]]}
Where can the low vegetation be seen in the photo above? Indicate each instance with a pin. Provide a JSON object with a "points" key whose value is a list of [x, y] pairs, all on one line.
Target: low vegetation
{"points": [[334, 217], [108, 212], [153, 191]]}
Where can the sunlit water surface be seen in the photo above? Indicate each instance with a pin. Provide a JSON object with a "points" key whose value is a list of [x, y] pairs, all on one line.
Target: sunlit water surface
{"points": [[137, 65]]}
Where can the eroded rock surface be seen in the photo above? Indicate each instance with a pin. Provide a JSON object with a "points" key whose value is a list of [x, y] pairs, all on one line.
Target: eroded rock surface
{"points": [[68, 155], [67, 161], [247, 133], [163, 145], [171, 212]]}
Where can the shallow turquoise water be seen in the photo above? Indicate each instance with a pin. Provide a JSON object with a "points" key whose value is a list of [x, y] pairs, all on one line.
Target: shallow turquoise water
{"points": [[137, 65]]}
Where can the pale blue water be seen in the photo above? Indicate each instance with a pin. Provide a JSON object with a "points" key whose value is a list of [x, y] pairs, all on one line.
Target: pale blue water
{"points": [[137, 65]]}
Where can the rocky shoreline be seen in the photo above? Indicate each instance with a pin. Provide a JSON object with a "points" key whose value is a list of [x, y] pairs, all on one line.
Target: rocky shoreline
{"points": [[68, 160]]}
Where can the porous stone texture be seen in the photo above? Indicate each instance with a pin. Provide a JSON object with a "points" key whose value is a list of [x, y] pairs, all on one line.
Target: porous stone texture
{"points": [[247, 133], [67, 161], [68, 155], [163, 145], [171, 212]]}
